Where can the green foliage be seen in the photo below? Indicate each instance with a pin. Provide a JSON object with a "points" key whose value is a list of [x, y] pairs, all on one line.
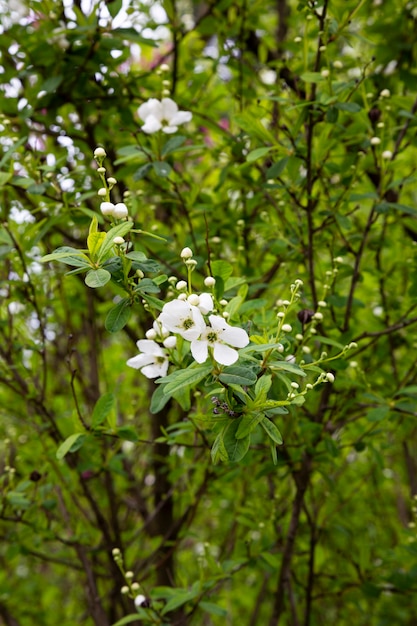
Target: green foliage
{"points": [[289, 473]]}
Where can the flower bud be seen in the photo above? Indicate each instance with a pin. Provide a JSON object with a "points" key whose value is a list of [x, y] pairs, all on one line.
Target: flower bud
{"points": [[99, 153], [118, 241], [330, 377], [287, 328], [120, 210], [186, 253], [209, 281], [170, 342], [107, 208], [193, 299], [181, 284], [102, 192]]}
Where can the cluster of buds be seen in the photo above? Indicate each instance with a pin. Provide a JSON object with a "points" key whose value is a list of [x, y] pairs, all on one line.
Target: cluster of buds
{"points": [[119, 210]]}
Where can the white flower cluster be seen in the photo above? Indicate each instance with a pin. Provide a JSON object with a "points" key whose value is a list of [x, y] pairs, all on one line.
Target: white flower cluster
{"points": [[118, 211], [186, 318], [162, 115]]}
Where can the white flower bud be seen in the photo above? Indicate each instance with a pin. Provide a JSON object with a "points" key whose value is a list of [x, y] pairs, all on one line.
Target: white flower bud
{"points": [[330, 377], [325, 73], [322, 303], [111, 180], [129, 574], [182, 296], [101, 170], [193, 299], [299, 337], [297, 39], [135, 586], [375, 141], [385, 93], [124, 590], [139, 600], [99, 153], [120, 210], [318, 316], [102, 192], [107, 208], [387, 154], [186, 253], [287, 328], [280, 348], [151, 334], [306, 349], [170, 342], [294, 385], [181, 284], [223, 302], [209, 281], [225, 315], [191, 262], [118, 241], [338, 65], [309, 386]]}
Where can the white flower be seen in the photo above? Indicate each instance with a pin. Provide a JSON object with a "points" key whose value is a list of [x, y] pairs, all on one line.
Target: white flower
{"points": [[186, 253], [206, 303], [181, 317], [139, 600], [162, 115], [153, 360], [107, 208], [220, 336]]}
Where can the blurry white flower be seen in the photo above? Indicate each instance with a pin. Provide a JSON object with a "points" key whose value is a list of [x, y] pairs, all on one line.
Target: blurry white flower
{"points": [[153, 360], [219, 337], [120, 210], [205, 303], [181, 317], [162, 115]]}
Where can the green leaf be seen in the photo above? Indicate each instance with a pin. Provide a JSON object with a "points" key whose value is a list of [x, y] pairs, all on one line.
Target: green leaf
{"points": [[69, 256], [162, 168], [287, 367], [102, 409], [117, 231], [118, 316], [128, 619], [94, 243], [172, 144], [218, 450], [258, 153], [221, 269], [97, 278], [4, 178], [272, 431], [238, 375], [71, 444], [332, 114], [248, 424], [235, 448], [312, 77], [159, 399], [181, 597], [377, 414], [127, 433], [50, 84], [351, 107], [114, 7], [185, 378], [136, 255], [277, 168], [213, 609]]}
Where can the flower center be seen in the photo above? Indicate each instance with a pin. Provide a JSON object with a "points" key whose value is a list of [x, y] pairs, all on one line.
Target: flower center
{"points": [[187, 323], [212, 336]]}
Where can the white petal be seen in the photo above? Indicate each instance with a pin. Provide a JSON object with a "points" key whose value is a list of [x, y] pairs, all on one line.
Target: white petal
{"points": [[232, 335], [181, 118], [169, 130], [140, 360], [224, 355], [206, 303], [148, 346], [199, 350], [151, 125], [169, 108], [151, 107], [155, 370]]}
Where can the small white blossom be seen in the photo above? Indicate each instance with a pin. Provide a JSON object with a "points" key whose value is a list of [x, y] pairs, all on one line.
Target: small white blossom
{"points": [[162, 115], [182, 318], [99, 153], [219, 337], [209, 281], [107, 208], [139, 600], [186, 253], [170, 342], [153, 360], [120, 210]]}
